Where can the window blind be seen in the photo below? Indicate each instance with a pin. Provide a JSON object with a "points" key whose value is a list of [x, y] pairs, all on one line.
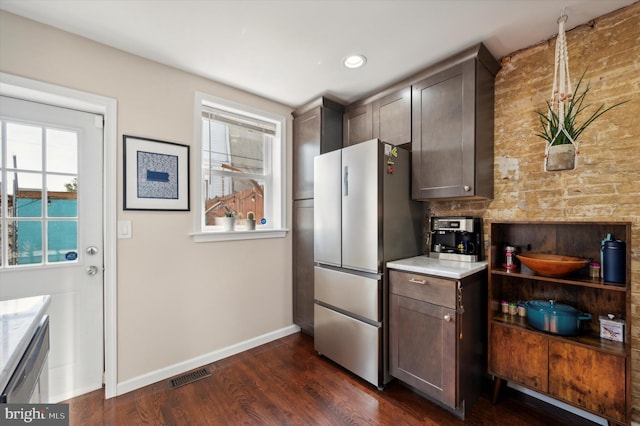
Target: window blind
{"points": [[239, 120]]}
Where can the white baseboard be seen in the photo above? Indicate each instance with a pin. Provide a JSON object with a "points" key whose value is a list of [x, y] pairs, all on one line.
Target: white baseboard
{"points": [[560, 404], [175, 369]]}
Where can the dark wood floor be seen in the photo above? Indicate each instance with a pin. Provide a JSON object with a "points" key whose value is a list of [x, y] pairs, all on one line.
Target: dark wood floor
{"points": [[285, 382]]}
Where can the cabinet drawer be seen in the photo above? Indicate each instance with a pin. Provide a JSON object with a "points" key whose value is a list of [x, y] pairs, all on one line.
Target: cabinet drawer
{"points": [[426, 288]]}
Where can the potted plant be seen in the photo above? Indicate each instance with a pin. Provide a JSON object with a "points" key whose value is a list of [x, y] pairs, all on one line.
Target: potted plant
{"points": [[228, 221], [560, 126], [250, 221]]}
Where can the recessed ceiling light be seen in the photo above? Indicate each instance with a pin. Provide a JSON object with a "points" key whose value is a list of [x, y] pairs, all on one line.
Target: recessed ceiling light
{"points": [[355, 61]]}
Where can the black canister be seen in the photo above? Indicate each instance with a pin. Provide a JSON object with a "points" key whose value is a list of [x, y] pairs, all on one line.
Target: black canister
{"points": [[613, 258]]}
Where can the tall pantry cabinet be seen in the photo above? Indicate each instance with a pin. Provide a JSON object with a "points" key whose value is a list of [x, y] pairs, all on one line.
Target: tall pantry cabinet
{"points": [[317, 129]]}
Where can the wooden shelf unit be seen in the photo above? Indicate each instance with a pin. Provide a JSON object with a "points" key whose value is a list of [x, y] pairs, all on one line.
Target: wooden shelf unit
{"points": [[586, 371]]}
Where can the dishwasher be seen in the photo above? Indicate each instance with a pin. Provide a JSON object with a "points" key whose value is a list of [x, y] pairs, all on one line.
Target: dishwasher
{"points": [[29, 382]]}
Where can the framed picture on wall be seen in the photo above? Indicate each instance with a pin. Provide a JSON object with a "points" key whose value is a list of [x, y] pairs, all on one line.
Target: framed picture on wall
{"points": [[156, 175]]}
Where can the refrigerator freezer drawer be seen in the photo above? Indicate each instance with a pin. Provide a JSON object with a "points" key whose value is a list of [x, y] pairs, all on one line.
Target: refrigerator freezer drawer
{"points": [[353, 344], [355, 294]]}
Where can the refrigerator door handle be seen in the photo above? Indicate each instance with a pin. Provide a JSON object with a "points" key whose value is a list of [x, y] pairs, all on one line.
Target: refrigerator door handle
{"points": [[345, 181]]}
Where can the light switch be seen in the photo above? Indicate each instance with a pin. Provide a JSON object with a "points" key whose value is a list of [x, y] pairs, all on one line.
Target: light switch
{"points": [[124, 229]]}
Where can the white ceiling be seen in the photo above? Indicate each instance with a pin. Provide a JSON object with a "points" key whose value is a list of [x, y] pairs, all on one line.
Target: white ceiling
{"points": [[291, 50]]}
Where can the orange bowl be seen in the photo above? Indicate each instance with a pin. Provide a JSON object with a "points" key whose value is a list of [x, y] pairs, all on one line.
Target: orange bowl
{"points": [[552, 265]]}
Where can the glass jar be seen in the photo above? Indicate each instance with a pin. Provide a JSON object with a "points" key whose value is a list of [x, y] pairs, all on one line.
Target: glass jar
{"points": [[522, 310]]}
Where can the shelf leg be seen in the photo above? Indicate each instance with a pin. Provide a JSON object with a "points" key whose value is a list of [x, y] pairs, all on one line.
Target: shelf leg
{"points": [[497, 386]]}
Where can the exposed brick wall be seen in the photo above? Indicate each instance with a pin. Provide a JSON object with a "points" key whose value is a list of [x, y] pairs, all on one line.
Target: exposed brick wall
{"points": [[606, 184]]}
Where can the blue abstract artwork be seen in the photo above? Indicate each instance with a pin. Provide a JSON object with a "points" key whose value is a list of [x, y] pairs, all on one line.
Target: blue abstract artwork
{"points": [[157, 175]]}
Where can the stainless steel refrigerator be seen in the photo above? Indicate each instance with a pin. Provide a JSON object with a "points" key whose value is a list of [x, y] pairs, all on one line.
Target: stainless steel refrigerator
{"points": [[363, 217]]}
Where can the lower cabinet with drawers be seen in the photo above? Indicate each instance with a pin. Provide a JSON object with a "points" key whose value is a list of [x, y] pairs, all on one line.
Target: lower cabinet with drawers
{"points": [[437, 336]]}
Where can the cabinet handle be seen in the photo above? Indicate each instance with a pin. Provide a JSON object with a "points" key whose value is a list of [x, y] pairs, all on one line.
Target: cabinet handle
{"points": [[447, 317], [467, 188], [413, 280]]}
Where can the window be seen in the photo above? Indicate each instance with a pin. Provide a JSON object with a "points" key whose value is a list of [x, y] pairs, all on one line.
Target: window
{"points": [[38, 189], [240, 173]]}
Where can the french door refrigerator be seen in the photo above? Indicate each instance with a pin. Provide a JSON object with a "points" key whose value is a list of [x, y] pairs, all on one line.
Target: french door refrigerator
{"points": [[363, 217]]}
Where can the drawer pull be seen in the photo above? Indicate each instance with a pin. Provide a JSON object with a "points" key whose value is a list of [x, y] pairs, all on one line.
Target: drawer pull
{"points": [[413, 280], [447, 318]]}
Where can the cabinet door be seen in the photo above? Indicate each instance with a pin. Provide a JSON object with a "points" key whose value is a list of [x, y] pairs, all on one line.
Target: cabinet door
{"points": [[519, 356], [315, 131], [392, 117], [303, 265], [443, 123], [587, 378], [358, 124], [422, 347], [306, 145]]}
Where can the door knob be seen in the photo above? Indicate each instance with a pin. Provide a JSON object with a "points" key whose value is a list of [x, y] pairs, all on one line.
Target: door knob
{"points": [[447, 318], [92, 270], [92, 250], [467, 188]]}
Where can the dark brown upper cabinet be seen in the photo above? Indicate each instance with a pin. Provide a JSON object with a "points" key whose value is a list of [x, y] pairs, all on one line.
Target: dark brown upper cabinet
{"points": [[385, 116], [358, 124], [317, 128], [392, 117], [452, 128]]}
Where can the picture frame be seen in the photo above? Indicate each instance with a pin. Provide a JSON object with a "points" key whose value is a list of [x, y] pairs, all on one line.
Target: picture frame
{"points": [[156, 174]]}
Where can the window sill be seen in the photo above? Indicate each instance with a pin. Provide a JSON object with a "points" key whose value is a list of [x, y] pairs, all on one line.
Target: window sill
{"points": [[204, 237]]}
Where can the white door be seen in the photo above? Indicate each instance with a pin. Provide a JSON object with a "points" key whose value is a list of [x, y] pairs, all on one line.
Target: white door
{"points": [[51, 235]]}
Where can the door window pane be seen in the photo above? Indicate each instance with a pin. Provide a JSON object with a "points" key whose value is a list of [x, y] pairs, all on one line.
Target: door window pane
{"points": [[62, 241], [62, 149], [62, 196], [25, 242], [24, 192], [24, 147]]}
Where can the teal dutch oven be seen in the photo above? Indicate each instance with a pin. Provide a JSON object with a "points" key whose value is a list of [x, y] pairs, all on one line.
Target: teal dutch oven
{"points": [[555, 318]]}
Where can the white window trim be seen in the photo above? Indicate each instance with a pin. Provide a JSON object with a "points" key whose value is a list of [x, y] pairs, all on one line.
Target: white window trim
{"points": [[278, 174]]}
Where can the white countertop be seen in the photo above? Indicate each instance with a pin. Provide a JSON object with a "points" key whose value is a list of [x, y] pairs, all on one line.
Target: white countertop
{"points": [[440, 268], [19, 319]]}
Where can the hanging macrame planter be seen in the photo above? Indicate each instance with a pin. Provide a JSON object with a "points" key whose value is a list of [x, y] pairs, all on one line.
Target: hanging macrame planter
{"points": [[561, 152]]}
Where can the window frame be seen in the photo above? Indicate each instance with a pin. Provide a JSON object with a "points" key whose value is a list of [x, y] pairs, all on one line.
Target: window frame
{"points": [[278, 173]]}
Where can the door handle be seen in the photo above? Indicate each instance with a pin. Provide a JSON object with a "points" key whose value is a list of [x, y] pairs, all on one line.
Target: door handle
{"points": [[345, 181], [92, 270]]}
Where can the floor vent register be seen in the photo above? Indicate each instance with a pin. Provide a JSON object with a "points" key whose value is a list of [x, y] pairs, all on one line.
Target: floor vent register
{"points": [[189, 377]]}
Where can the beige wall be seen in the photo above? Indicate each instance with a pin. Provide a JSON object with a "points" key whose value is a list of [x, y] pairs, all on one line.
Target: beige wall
{"points": [[166, 315], [606, 184], [177, 300]]}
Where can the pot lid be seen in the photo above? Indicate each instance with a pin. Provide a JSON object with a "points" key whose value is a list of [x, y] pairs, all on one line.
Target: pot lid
{"points": [[552, 307]]}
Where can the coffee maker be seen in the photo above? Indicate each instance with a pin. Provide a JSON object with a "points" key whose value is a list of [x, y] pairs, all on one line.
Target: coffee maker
{"points": [[456, 238]]}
